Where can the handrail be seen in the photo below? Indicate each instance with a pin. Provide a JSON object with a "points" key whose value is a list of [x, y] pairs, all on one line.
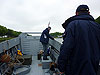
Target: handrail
{"points": [[9, 44], [55, 44], [55, 49], [6, 47]]}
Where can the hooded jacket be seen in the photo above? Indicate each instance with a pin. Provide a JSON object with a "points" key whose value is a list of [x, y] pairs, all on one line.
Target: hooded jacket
{"points": [[45, 36], [79, 53]]}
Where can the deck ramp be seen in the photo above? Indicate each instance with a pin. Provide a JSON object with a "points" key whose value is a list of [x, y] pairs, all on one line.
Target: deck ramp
{"points": [[35, 69], [30, 44]]}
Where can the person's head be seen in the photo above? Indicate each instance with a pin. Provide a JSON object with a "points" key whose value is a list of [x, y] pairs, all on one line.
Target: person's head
{"points": [[49, 28], [82, 9]]}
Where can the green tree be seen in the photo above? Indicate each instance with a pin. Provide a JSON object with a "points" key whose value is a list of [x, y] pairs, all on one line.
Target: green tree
{"points": [[3, 30], [56, 34], [98, 20], [16, 34], [12, 33]]}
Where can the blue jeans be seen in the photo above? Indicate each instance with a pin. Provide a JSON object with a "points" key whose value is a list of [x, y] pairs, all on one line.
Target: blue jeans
{"points": [[45, 48]]}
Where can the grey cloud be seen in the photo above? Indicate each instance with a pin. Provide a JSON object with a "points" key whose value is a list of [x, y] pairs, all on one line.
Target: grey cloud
{"points": [[34, 15]]}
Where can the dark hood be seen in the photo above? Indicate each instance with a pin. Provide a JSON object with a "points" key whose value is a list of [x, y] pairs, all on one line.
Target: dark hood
{"points": [[77, 17]]}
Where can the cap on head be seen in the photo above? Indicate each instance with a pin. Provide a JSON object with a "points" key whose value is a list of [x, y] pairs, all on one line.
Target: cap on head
{"points": [[82, 8]]}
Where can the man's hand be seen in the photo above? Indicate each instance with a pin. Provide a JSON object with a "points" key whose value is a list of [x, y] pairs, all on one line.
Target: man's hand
{"points": [[61, 73]]}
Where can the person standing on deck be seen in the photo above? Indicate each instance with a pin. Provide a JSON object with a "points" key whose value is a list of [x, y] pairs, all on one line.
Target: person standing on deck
{"points": [[44, 39], [80, 51]]}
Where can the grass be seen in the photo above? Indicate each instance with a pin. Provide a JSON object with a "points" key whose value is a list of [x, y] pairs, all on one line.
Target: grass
{"points": [[4, 39]]}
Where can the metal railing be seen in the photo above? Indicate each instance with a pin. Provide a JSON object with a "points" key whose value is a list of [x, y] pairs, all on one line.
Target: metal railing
{"points": [[8, 47], [55, 49]]}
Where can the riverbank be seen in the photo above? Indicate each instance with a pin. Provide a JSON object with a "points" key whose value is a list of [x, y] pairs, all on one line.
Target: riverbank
{"points": [[4, 39]]}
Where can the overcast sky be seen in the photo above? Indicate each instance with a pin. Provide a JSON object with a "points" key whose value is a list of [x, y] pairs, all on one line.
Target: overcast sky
{"points": [[34, 15]]}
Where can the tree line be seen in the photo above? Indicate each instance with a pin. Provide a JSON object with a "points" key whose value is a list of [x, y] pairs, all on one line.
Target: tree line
{"points": [[98, 20], [11, 33], [8, 32], [56, 34]]}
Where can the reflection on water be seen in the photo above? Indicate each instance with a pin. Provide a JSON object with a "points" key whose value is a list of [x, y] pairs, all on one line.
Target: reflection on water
{"points": [[59, 40]]}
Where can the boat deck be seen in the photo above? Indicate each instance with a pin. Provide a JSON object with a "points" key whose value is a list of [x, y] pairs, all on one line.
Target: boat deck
{"points": [[36, 69]]}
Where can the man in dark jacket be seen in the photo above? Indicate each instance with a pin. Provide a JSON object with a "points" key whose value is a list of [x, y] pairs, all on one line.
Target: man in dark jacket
{"points": [[44, 39], [79, 53]]}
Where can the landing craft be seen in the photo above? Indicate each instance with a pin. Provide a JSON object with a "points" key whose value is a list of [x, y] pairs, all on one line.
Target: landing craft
{"points": [[26, 62]]}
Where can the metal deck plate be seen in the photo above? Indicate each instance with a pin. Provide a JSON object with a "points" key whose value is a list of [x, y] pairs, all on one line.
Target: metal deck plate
{"points": [[35, 69]]}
